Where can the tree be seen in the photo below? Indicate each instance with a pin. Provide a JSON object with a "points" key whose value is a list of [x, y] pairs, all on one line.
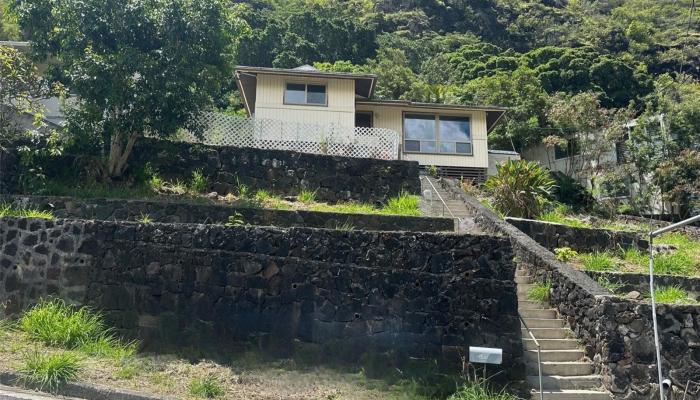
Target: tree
{"points": [[137, 67], [9, 30]]}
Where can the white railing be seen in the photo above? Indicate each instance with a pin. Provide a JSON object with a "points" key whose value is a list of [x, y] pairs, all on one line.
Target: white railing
{"points": [[226, 130]]}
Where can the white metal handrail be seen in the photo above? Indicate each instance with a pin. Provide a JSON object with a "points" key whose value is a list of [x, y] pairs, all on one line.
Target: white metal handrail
{"points": [[539, 356], [444, 205]]}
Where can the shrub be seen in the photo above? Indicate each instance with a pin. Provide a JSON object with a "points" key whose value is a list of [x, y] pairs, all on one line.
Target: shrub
{"points": [[598, 261], [540, 292], [307, 196], [209, 387], [672, 295], [571, 192], [520, 188], [403, 204], [48, 371], [199, 182], [565, 254]]}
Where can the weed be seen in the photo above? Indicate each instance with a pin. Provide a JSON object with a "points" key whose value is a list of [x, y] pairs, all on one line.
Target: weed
{"points": [[346, 226], [469, 186], [7, 210], [403, 204], [608, 284], [540, 292], [199, 182], [235, 220], [155, 182], [307, 196], [242, 189], [432, 170], [349, 208], [598, 261], [56, 323], [565, 254], [263, 195], [480, 390], [208, 388], [48, 371], [672, 295], [635, 256], [145, 219], [557, 218]]}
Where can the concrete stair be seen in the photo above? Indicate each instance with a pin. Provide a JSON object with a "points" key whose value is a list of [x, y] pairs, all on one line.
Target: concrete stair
{"points": [[566, 373], [455, 205]]}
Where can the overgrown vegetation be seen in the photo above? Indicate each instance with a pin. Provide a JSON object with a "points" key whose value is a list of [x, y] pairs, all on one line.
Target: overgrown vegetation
{"points": [[540, 292], [520, 189], [7, 210], [673, 295], [48, 371], [208, 387], [608, 284], [480, 390], [565, 254]]}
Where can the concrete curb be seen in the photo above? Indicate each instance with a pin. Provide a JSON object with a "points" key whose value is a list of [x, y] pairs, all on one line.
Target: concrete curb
{"points": [[82, 390]]}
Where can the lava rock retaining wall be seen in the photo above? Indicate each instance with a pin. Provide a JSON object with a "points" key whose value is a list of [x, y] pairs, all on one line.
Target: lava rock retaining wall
{"points": [[552, 236], [179, 212], [347, 292], [616, 333], [640, 282], [282, 172]]}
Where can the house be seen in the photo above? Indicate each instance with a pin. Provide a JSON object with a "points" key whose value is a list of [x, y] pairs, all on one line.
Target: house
{"points": [[451, 137]]}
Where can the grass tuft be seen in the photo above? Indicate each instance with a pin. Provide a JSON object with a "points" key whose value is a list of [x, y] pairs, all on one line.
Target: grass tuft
{"points": [[48, 371], [540, 292], [597, 262], [199, 182], [7, 210], [480, 391], [403, 204], [145, 219], [56, 323], [672, 295], [207, 388], [307, 196], [608, 284]]}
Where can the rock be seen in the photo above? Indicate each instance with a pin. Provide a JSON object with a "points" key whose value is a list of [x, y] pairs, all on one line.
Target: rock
{"points": [[634, 295]]}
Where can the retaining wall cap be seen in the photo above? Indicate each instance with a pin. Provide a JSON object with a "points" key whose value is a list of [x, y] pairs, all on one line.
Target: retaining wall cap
{"points": [[83, 390]]}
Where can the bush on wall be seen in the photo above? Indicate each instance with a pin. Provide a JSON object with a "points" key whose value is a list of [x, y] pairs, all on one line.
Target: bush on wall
{"points": [[520, 189]]}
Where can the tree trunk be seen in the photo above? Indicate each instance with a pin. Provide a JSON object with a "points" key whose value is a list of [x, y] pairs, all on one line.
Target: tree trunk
{"points": [[119, 154]]}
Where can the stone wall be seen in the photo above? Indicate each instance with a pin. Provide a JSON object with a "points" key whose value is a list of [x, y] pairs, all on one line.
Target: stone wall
{"points": [[282, 172], [180, 212], [640, 282], [552, 236], [616, 333], [346, 292], [691, 230]]}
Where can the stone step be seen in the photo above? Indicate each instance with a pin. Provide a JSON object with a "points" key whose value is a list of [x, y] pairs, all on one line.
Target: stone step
{"points": [[543, 323], [548, 313], [531, 305], [558, 382], [572, 395], [554, 355], [548, 333], [551, 344], [524, 279], [563, 368], [522, 272]]}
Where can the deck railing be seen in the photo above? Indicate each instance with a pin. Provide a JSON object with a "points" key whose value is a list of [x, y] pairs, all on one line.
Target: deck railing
{"points": [[226, 130]]}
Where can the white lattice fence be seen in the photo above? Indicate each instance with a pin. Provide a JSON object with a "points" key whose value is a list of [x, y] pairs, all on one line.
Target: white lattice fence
{"points": [[225, 130]]}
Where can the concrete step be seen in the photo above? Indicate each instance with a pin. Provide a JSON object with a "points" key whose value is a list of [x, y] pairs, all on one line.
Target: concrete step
{"points": [[558, 382], [572, 395], [544, 323], [522, 272], [548, 313], [548, 333], [551, 344], [563, 368], [531, 305], [525, 279], [554, 355]]}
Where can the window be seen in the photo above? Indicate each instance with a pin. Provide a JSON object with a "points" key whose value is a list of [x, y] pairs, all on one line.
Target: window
{"points": [[363, 119], [301, 93], [426, 133]]}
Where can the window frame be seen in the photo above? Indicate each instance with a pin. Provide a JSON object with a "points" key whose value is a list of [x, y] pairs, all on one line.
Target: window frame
{"points": [[306, 94], [438, 142]]}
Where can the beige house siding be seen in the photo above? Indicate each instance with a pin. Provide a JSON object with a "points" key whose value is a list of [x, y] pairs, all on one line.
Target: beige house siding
{"points": [[391, 117], [340, 96]]}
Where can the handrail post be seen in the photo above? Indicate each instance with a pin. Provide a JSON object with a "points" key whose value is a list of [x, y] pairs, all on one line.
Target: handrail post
{"points": [[539, 354]]}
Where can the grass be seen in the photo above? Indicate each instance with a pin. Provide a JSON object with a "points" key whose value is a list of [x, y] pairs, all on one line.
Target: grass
{"points": [[207, 388], [557, 218], [403, 204], [598, 261], [480, 391], [540, 292], [565, 254], [48, 371], [673, 295], [199, 183], [56, 323], [307, 196], [99, 190], [145, 219], [7, 210], [608, 284]]}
